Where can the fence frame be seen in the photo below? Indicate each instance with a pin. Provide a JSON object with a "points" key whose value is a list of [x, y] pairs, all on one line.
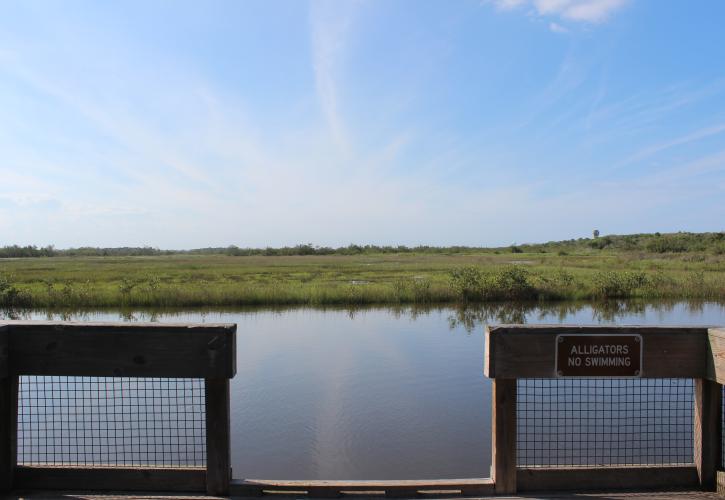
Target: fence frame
{"points": [[528, 351], [206, 351]]}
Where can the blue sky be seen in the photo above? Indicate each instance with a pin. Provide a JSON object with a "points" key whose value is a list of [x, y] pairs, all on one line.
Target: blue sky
{"points": [[189, 124]]}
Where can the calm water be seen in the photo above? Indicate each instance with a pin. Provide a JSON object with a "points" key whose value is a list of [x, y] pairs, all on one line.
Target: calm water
{"points": [[375, 393]]}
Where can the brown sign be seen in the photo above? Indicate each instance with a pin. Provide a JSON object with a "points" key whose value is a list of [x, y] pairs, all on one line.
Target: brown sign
{"points": [[598, 355]]}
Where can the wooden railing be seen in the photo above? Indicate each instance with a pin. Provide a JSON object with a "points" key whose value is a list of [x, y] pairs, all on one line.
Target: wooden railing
{"points": [[208, 352], [119, 350], [518, 352]]}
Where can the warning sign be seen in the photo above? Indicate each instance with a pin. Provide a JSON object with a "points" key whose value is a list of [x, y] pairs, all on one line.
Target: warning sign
{"points": [[598, 355]]}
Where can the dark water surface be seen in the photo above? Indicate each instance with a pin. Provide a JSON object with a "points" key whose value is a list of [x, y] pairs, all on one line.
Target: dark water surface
{"points": [[382, 393]]}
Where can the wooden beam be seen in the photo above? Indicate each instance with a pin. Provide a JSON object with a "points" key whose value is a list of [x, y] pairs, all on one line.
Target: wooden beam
{"points": [[8, 431], [503, 445], [218, 449], [8, 415], [716, 355], [110, 478], [708, 431], [334, 489], [122, 349], [528, 351], [609, 478], [4, 346]]}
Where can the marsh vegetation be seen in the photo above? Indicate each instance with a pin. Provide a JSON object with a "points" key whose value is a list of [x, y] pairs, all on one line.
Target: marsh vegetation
{"points": [[679, 266]]}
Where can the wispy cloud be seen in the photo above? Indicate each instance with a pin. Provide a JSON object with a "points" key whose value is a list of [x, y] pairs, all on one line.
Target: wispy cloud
{"points": [[330, 22], [690, 137], [557, 28], [588, 11], [639, 113], [508, 4]]}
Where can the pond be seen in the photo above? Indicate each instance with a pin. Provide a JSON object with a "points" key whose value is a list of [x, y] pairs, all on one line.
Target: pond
{"points": [[375, 393]]}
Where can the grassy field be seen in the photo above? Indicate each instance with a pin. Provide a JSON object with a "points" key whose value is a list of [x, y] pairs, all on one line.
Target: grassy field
{"points": [[368, 278]]}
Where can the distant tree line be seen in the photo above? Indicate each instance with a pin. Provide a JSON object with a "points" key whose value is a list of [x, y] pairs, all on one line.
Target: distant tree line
{"points": [[352, 249], [15, 251], [652, 243]]}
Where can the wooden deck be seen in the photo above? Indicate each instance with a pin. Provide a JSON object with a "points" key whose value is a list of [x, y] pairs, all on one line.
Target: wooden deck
{"points": [[606, 495]]}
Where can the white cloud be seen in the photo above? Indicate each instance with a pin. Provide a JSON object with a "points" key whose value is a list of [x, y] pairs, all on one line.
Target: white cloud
{"points": [[557, 28], [508, 4], [588, 11], [592, 11]]}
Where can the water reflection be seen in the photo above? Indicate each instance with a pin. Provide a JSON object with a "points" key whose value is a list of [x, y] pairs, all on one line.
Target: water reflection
{"points": [[468, 316], [473, 317]]}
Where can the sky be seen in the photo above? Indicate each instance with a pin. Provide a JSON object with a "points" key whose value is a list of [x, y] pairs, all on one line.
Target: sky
{"points": [[266, 123]]}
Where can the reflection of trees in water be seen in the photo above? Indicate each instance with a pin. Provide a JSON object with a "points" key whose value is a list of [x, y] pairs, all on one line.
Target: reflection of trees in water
{"points": [[608, 311], [411, 312], [695, 307], [472, 317], [15, 314]]}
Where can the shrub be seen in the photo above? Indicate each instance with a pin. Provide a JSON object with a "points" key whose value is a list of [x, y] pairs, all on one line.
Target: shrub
{"points": [[467, 282], [421, 290], [601, 243], [126, 286], [10, 295], [612, 284], [666, 244], [512, 282]]}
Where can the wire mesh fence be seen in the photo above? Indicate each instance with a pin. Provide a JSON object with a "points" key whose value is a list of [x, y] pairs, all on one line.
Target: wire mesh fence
{"points": [[99, 421], [601, 422]]}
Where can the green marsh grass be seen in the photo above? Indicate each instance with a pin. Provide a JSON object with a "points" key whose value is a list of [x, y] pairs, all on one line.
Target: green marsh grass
{"points": [[389, 278]]}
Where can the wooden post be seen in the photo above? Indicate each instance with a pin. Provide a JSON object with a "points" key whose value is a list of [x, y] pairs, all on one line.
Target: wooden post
{"points": [[8, 416], [708, 431], [218, 449], [8, 431], [503, 446]]}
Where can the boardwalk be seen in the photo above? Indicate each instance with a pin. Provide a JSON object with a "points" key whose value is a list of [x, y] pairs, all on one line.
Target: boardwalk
{"points": [[641, 495]]}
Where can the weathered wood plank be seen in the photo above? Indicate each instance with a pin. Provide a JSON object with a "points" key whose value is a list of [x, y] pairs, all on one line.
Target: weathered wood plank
{"points": [[678, 494], [708, 431], [720, 479], [503, 435], [107, 495], [609, 478], [8, 415], [110, 478], [4, 344], [334, 489], [528, 351], [716, 355], [138, 350], [218, 449], [8, 431]]}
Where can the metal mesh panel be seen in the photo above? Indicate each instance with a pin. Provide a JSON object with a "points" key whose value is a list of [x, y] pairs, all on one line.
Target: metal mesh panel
{"points": [[595, 422], [111, 421]]}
